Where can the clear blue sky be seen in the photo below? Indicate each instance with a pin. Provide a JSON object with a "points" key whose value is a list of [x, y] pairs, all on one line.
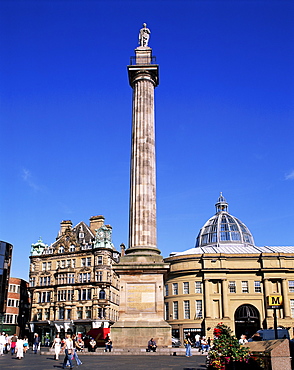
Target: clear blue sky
{"points": [[224, 117]]}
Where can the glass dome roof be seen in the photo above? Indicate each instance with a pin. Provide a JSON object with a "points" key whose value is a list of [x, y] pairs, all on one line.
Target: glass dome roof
{"points": [[223, 228]]}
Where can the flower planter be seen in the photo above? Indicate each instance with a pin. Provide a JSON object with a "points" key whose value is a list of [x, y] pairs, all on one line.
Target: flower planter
{"points": [[233, 366]]}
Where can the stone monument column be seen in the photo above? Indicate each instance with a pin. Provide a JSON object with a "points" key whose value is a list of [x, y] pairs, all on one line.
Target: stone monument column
{"points": [[141, 269], [143, 77]]}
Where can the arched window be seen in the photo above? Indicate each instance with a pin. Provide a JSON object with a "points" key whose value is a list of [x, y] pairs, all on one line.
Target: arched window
{"points": [[102, 294]]}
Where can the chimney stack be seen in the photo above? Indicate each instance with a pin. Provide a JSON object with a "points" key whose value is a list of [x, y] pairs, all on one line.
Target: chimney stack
{"points": [[65, 225], [96, 222]]}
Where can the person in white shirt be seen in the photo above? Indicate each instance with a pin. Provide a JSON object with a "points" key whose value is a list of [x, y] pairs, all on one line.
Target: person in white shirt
{"points": [[243, 339], [19, 348], [68, 346], [57, 346], [204, 345], [2, 343], [197, 340]]}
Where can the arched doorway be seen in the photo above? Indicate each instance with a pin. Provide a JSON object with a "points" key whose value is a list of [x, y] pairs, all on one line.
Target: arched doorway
{"points": [[247, 320]]}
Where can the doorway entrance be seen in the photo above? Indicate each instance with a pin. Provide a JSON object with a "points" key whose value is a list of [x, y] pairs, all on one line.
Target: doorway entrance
{"points": [[247, 320]]}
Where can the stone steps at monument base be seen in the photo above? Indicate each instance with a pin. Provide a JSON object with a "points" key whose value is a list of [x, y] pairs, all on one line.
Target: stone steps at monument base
{"points": [[131, 351]]}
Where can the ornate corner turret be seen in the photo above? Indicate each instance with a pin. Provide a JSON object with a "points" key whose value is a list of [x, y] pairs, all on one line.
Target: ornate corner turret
{"points": [[38, 248], [103, 237]]}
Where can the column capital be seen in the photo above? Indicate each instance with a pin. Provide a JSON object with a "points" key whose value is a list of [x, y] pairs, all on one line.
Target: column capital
{"points": [[147, 72]]}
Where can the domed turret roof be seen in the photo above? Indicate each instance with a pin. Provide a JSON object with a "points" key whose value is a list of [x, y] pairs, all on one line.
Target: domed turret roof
{"points": [[223, 229]]}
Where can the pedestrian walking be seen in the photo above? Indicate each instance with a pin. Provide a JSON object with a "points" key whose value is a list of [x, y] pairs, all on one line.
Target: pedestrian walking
{"points": [[13, 341], [68, 349], [19, 348], [25, 344], [57, 346], [2, 343], [75, 349], [36, 343], [188, 344], [7, 343]]}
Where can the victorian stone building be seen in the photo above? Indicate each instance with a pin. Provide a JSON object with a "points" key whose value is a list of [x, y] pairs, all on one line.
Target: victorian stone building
{"points": [[72, 283], [226, 278]]}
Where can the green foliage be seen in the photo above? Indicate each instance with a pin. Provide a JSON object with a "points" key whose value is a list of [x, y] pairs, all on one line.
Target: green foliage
{"points": [[226, 348]]}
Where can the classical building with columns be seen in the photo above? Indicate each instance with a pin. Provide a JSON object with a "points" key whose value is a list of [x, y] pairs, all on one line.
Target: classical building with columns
{"points": [[72, 283], [227, 278]]}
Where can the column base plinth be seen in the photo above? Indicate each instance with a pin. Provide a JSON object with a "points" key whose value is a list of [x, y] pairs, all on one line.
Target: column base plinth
{"points": [[142, 302], [136, 334]]}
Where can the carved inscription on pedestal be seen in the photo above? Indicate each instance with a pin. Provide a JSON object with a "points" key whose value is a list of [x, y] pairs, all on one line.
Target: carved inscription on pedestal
{"points": [[140, 297]]}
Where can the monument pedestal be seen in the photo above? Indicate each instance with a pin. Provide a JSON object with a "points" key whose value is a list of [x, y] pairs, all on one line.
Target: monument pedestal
{"points": [[142, 303]]}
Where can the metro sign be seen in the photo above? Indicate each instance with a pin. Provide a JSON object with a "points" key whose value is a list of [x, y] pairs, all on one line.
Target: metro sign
{"points": [[275, 300]]}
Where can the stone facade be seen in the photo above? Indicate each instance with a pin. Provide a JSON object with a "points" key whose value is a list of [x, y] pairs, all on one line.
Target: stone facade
{"points": [[72, 282], [228, 281], [203, 290]]}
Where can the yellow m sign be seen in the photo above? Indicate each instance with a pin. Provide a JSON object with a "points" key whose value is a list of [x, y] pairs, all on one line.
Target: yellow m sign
{"points": [[275, 300]]}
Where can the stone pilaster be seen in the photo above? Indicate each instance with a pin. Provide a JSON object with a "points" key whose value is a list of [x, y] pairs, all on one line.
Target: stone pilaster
{"points": [[286, 302], [207, 301], [265, 294], [225, 304]]}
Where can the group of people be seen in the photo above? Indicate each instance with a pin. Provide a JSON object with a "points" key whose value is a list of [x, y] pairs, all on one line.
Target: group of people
{"points": [[93, 345], [17, 346], [202, 343], [70, 345]]}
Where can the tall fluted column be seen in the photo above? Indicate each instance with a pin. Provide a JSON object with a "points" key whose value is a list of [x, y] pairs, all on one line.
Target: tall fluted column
{"points": [[143, 79], [142, 233]]}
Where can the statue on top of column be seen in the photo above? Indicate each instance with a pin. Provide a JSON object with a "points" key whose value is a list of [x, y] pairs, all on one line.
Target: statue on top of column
{"points": [[144, 35]]}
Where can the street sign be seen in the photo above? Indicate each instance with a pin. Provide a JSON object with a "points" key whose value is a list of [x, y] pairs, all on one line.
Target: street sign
{"points": [[275, 301]]}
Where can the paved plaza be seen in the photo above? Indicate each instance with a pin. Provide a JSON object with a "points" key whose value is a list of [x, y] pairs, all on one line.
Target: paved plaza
{"points": [[106, 361]]}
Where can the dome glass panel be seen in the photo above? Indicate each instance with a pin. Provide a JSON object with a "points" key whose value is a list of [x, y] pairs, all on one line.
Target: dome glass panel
{"points": [[223, 228]]}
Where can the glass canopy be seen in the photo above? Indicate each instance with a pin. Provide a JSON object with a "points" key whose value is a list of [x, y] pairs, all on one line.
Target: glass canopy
{"points": [[223, 228]]}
